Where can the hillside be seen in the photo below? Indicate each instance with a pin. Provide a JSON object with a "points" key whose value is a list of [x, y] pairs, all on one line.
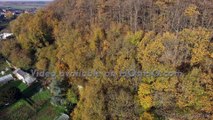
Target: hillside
{"points": [[154, 58]]}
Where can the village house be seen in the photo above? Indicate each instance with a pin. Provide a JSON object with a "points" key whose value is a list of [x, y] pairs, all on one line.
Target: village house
{"points": [[6, 78], [24, 77]]}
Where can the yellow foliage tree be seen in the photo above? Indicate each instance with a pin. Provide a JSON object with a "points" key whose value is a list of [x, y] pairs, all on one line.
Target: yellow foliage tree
{"points": [[191, 10], [146, 116], [145, 97]]}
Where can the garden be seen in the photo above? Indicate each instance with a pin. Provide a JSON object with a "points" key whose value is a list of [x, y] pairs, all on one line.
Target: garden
{"points": [[34, 104]]}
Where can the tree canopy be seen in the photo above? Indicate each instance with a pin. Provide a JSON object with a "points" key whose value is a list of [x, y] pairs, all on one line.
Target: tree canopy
{"points": [[118, 35]]}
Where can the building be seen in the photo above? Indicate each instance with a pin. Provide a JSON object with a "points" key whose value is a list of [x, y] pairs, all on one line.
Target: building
{"points": [[24, 77], [4, 36], [6, 78]]}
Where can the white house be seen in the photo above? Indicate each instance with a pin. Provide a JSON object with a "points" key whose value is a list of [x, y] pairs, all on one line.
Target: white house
{"points": [[24, 77], [4, 36]]}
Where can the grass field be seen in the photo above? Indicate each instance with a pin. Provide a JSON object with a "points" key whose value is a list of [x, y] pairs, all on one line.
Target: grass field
{"points": [[36, 107]]}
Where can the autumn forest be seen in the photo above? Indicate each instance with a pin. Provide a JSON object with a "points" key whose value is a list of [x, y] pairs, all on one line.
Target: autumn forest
{"points": [[118, 35]]}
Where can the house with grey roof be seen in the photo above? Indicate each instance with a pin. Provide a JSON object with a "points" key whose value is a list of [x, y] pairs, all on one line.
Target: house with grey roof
{"points": [[24, 76], [6, 79]]}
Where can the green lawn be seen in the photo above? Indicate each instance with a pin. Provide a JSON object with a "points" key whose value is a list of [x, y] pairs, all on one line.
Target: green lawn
{"points": [[48, 112], [3, 65], [38, 109], [19, 84]]}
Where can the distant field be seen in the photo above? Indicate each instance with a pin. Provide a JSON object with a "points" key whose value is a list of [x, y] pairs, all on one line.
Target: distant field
{"points": [[23, 5]]}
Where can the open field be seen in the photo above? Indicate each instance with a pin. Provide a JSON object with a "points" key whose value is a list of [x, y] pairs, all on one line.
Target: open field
{"points": [[22, 5]]}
